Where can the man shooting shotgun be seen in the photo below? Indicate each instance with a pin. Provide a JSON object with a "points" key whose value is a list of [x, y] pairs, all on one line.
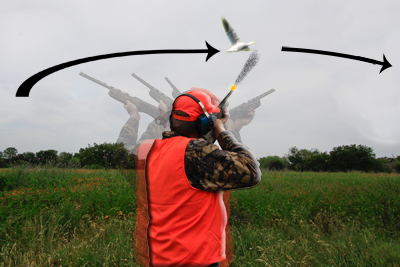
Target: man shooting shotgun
{"points": [[129, 135], [185, 175]]}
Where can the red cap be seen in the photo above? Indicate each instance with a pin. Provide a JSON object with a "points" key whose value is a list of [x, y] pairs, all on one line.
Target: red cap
{"points": [[191, 107]]}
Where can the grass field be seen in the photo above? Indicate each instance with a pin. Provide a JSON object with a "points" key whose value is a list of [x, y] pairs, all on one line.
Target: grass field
{"points": [[66, 217]]}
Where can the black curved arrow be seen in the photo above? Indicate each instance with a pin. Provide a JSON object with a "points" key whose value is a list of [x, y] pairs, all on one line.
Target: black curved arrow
{"points": [[25, 88], [385, 64]]}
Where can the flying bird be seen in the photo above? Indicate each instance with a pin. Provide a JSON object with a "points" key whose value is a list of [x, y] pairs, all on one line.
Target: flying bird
{"points": [[237, 45]]}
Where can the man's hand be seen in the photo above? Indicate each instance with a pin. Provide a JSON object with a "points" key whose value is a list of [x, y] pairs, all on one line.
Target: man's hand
{"points": [[218, 128], [132, 110], [244, 120], [225, 116]]}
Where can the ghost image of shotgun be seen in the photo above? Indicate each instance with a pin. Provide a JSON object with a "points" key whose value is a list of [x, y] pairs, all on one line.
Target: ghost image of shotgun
{"points": [[242, 109], [121, 96], [175, 91], [156, 94]]}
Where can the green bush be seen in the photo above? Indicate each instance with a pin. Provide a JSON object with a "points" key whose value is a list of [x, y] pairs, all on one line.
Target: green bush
{"points": [[107, 155], [4, 163], [317, 162], [64, 158], [74, 163], [351, 157], [272, 163], [298, 158], [397, 167], [45, 156]]}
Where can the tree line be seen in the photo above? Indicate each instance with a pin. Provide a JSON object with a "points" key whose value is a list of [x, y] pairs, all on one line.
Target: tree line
{"points": [[341, 159], [114, 155], [97, 156]]}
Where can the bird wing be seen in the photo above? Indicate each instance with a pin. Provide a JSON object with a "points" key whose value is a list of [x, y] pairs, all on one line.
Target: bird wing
{"points": [[230, 32]]}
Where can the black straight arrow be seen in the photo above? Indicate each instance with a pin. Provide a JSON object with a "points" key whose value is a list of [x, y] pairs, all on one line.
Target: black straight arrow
{"points": [[25, 88], [385, 64]]}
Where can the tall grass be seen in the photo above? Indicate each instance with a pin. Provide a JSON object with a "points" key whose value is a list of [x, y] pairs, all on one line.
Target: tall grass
{"points": [[318, 219], [66, 217], [75, 217], [370, 199]]}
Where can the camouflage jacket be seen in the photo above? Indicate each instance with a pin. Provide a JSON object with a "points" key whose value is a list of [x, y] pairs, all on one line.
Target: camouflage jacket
{"points": [[207, 167]]}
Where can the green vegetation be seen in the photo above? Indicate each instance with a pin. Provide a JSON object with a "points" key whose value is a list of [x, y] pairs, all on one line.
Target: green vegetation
{"points": [[99, 156], [115, 156], [66, 217], [70, 217], [341, 159], [318, 219]]}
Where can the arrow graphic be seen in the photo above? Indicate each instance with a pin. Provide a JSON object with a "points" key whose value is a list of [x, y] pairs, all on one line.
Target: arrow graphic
{"points": [[25, 88], [385, 64]]}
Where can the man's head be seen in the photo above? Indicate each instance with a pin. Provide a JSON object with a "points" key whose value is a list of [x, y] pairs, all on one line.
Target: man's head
{"points": [[186, 111]]}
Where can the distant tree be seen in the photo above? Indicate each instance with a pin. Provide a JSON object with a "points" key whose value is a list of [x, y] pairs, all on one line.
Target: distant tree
{"points": [[352, 157], [26, 157], [19, 158], [64, 157], [272, 163], [317, 161], [397, 167], [297, 158], [45, 156], [107, 155], [9, 153], [385, 164], [3, 161], [74, 163], [29, 157], [396, 164]]}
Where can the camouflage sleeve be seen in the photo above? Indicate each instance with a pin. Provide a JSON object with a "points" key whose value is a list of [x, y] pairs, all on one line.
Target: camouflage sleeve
{"points": [[212, 169], [237, 136], [129, 133]]}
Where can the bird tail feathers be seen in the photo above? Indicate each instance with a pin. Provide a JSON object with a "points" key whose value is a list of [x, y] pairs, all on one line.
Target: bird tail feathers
{"points": [[251, 43]]}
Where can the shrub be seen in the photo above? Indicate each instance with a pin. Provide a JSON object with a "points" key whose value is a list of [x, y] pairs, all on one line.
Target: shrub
{"points": [[64, 158], [352, 157], [397, 167], [297, 158], [45, 156], [317, 162], [272, 163], [107, 155], [4, 163], [74, 163]]}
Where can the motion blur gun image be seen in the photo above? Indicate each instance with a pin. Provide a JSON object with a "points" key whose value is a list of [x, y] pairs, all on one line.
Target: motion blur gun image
{"points": [[242, 109], [121, 96], [175, 91], [156, 94]]}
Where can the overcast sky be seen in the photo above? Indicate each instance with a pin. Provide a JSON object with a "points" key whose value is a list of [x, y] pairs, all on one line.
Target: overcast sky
{"points": [[320, 101]]}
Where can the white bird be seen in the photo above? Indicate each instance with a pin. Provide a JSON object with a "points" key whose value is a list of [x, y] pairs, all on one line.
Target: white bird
{"points": [[237, 45]]}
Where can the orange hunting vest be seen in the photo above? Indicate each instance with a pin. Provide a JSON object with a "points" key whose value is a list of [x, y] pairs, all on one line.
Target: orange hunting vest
{"points": [[187, 225]]}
